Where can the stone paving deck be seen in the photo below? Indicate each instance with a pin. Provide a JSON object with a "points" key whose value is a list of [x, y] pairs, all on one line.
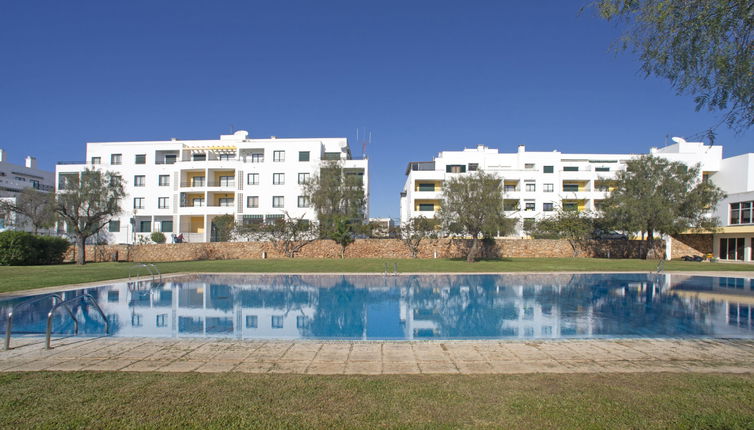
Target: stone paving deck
{"points": [[374, 358]]}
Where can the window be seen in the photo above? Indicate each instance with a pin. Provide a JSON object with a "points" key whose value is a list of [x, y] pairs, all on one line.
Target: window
{"points": [[426, 186], [571, 168], [272, 219], [303, 201], [301, 321], [113, 226], [140, 159], [96, 160], [253, 219], [547, 207], [548, 188], [138, 202], [252, 321], [570, 206], [331, 156], [163, 180], [278, 201], [510, 205], [197, 201], [136, 320], [741, 213], [170, 158], [227, 181], [278, 155], [732, 248], [278, 178], [455, 168], [252, 201], [602, 169], [113, 296], [570, 187], [303, 156], [530, 206], [225, 201], [473, 167], [303, 178], [162, 202], [531, 187], [277, 321], [162, 320], [548, 169], [426, 207], [144, 227], [166, 226], [116, 158], [508, 188], [225, 157], [139, 181], [252, 179], [529, 166], [197, 181], [257, 157], [198, 157]]}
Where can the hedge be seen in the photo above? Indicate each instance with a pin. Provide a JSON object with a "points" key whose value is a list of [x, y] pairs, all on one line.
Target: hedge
{"points": [[19, 248]]}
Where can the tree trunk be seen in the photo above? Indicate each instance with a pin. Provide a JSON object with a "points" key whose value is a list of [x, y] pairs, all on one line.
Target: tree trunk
{"points": [[342, 252], [471, 256], [80, 250], [650, 243]]}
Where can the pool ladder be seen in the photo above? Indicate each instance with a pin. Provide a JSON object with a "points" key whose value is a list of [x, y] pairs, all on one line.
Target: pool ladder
{"points": [[57, 302], [661, 266], [135, 271]]}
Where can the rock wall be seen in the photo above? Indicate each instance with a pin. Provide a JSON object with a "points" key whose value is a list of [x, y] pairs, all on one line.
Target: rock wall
{"points": [[361, 248], [691, 244]]}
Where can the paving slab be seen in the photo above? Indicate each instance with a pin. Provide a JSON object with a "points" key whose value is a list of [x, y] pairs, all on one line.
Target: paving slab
{"points": [[388, 357]]}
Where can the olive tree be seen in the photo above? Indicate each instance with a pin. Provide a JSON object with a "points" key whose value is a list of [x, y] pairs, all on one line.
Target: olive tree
{"points": [[86, 202], [577, 227], [703, 47], [655, 195], [289, 235], [336, 194], [414, 231], [32, 206], [472, 205]]}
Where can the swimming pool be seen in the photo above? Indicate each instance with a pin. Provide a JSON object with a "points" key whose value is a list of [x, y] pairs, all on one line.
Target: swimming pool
{"points": [[408, 307]]}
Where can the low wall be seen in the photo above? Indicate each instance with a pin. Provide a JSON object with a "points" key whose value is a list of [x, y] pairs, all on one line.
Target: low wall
{"points": [[361, 248], [691, 244]]}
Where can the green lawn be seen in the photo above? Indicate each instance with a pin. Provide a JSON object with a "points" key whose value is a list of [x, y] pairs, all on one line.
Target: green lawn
{"points": [[14, 278], [233, 400]]}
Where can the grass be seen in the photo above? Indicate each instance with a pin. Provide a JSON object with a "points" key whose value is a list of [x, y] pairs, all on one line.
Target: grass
{"points": [[233, 400], [15, 278]]}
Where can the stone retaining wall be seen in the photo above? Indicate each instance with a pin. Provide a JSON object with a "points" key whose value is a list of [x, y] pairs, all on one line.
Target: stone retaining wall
{"points": [[361, 248]]}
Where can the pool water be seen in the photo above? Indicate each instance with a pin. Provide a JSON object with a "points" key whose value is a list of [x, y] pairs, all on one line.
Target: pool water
{"points": [[368, 307]]}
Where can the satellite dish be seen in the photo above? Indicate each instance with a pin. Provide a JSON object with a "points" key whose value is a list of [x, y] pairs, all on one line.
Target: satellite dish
{"points": [[678, 139]]}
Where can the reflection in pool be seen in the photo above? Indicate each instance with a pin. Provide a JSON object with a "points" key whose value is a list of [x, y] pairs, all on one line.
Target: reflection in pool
{"points": [[413, 307]]}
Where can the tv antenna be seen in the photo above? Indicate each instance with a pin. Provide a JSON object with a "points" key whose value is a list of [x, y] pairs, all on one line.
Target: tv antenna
{"points": [[364, 139]]}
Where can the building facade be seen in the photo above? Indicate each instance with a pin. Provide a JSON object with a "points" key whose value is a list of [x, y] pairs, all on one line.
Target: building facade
{"points": [[733, 240], [536, 184], [13, 179], [179, 186]]}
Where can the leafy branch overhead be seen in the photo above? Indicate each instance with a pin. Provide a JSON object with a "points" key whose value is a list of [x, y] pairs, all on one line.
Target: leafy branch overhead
{"points": [[704, 47]]}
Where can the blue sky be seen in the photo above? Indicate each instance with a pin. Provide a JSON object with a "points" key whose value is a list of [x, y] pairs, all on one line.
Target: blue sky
{"points": [[422, 76]]}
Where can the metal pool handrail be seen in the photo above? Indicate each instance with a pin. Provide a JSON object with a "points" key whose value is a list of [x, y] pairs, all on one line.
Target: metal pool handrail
{"points": [[149, 267], [661, 266], [54, 297], [65, 303]]}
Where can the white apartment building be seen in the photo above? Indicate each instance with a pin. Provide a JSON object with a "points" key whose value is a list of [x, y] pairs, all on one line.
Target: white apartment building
{"points": [[13, 179], [734, 238], [535, 184], [180, 186]]}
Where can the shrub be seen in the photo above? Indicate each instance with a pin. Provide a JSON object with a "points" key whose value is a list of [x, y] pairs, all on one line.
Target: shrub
{"points": [[51, 249], [158, 237], [19, 248]]}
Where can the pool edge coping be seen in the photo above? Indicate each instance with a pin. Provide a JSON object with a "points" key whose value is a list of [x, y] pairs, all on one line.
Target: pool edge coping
{"points": [[69, 287]]}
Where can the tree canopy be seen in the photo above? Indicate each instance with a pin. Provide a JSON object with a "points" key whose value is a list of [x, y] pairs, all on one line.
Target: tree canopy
{"points": [[289, 235], [655, 195], [87, 202], [704, 47], [473, 206], [336, 194], [33, 207], [577, 227]]}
